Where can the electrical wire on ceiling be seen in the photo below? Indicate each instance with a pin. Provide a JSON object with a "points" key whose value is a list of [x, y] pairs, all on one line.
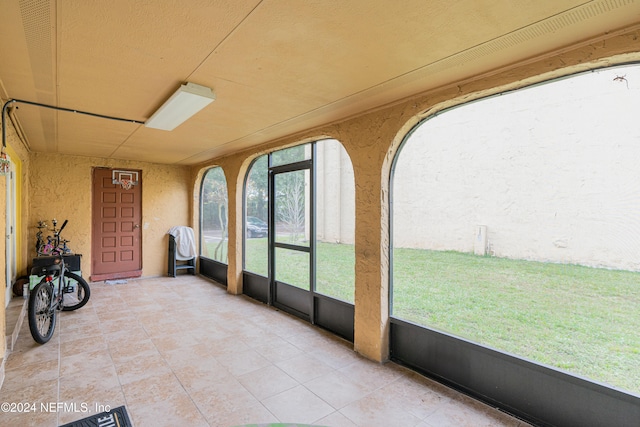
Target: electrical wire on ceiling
{"points": [[7, 104]]}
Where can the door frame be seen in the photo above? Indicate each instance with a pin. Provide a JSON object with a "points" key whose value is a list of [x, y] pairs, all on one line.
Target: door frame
{"points": [[284, 296], [324, 311], [123, 274], [11, 270]]}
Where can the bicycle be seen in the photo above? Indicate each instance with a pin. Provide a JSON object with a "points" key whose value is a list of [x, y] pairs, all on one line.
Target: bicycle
{"points": [[53, 243], [59, 289], [39, 240]]}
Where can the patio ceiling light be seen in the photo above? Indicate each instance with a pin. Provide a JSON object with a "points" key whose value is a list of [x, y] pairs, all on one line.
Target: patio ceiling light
{"points": [[184, 103]]}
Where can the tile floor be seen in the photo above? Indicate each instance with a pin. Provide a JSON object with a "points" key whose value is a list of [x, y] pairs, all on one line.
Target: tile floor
{"points": [[182, 352]]}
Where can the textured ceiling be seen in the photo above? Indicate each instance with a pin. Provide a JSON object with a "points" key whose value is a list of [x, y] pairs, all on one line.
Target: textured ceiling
{"points": [[277, 66]]}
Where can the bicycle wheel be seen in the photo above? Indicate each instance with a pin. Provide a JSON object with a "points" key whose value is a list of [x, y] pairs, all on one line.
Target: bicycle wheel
{"points": [[75, 292], [42, 317]]}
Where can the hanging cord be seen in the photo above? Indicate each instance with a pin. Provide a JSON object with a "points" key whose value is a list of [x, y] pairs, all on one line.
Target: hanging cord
{"points": [[6, 105]]}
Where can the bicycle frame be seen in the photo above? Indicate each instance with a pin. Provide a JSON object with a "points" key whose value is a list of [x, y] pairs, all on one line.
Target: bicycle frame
{"points": [[52, 278], [53, 245], [59, 289]]}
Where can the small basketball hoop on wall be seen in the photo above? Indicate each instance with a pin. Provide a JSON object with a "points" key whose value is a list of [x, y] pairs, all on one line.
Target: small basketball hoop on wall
{"points": [[127, 179]]}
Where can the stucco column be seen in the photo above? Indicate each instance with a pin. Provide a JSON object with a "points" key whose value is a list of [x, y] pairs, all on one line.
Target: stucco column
{"points": [[234, 174], [372, 268], [367, 148]]}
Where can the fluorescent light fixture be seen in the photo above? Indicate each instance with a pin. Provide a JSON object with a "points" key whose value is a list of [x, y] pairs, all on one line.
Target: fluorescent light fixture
{"points": [[184, 103]]}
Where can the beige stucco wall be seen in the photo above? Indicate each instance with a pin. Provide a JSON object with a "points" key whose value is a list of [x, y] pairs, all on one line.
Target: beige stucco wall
{"points": [[64, 192], [371, 141]]}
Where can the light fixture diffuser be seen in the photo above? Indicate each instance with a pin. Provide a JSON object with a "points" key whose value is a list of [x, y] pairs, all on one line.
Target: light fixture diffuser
{"points": [[184, 103]]}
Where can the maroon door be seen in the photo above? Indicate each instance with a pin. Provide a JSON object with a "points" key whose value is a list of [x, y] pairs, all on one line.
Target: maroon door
{"points": [[116, 234]]}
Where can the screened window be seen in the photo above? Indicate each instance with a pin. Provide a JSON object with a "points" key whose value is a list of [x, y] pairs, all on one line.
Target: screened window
{"points": [[334, 218], [335, 221], [214, 216], [515, 225], [256, 192], [291, 155]]}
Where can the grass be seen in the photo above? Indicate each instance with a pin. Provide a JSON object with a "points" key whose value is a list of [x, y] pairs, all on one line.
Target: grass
{"points": [[580, 319], [334, 264]]}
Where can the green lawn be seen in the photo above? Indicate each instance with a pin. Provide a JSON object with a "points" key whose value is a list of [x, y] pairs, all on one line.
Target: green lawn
{"points": [[584, 320], [334, 263], [580, 319]]}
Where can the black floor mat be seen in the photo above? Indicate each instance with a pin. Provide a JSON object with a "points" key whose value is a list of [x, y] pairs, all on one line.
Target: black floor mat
{"points": [[116, 417]]}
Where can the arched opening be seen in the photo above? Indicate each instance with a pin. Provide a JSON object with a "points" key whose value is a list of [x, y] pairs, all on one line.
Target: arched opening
{"points": [[515, 242], [299, 233], [214, 233]]}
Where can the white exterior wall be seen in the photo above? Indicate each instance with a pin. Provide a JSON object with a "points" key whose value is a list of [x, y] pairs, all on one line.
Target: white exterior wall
{"points": [[335, 221], [560, 185]]}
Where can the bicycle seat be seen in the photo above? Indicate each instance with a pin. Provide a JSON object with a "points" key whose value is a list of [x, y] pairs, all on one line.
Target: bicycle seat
{"points": [[45, 270]]}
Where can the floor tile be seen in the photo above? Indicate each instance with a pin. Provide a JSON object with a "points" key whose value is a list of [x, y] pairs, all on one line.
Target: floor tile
{"points": [[86, 361], [465, 412], [181, 351], [377, 410], [122, 352], [337, 389], [154, 389], [85, 330], [254, 415], [304, 368], [88, 383], [30, 352], [82, 345], [117, 324], [200, 375], [298, 405], [38, 418], [226, 395], [177, 411], [243, 362], [336, 419], [266, 382], [194, 354], [174, 342], [132, 334], [338, 354], [32, 374], [278, 350], [42, 392], [226, 346], [143, 366], [372, 375]]}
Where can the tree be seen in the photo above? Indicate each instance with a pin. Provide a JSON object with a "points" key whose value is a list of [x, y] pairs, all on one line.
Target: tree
{"points": [[290, 198], [257, 189], [214, 201]]}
